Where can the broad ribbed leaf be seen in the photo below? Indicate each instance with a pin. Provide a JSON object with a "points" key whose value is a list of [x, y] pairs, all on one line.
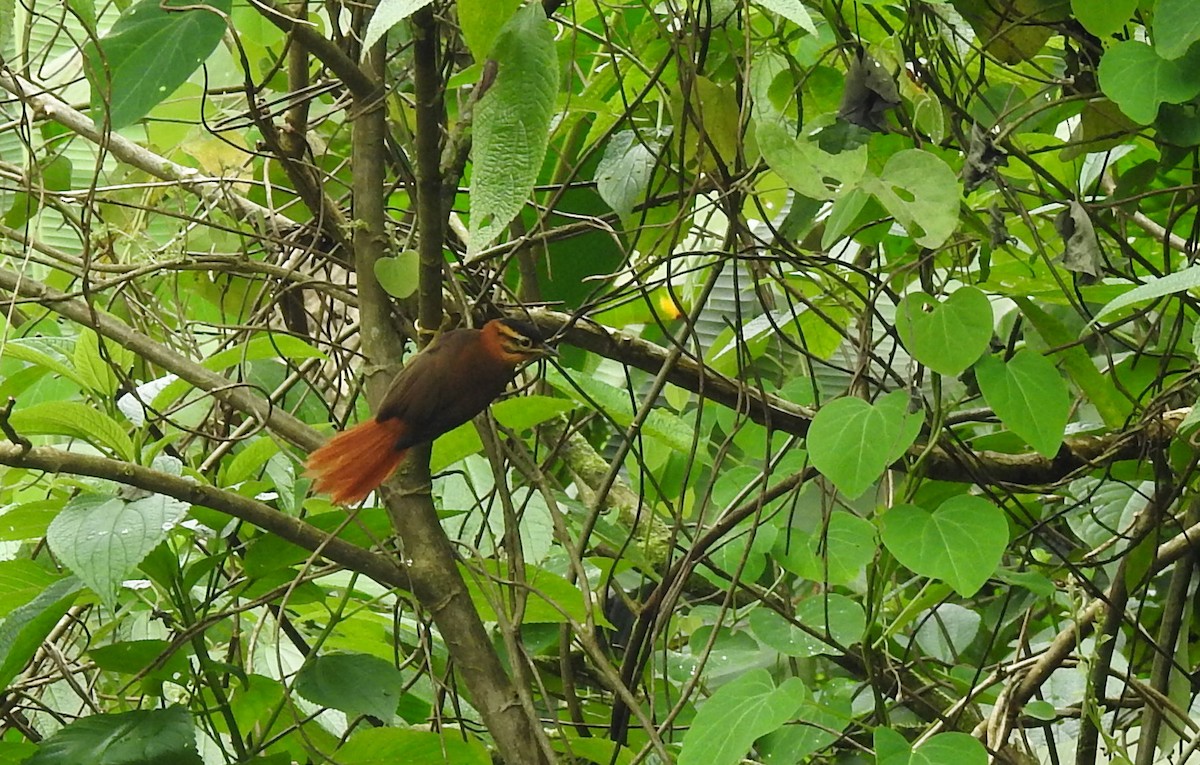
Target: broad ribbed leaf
{"points": [[357, 684], [738, 713], [1029, 396], [949, 336], [148, 53], [140, 737], [102, 539], [960, 543], [512, 124], [71, 418]]}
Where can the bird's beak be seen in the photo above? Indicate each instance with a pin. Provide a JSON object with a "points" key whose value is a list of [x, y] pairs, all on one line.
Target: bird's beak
{"points": [[545, 351]]}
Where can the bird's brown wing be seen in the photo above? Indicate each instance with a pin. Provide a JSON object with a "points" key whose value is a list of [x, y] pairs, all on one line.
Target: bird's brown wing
{"points": [[443, 386]]}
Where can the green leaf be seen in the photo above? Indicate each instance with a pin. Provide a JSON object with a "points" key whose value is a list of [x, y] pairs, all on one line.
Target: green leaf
{"points": [[388, 14], [1100, 391], [852, 442], [1029, 396], [357, 684], [249, 460], [552, 599], [399, 275], [144, 658], [740, 712], [922, 193], [804, 166], [625, 170], [482, 20], [71, 418], [97, 369], [22, 580], [1178, 281], [660, 423], [891, 748], [836, 615], [791, 10], [950, 337], [101, 539], [520, 413], [817, 724], [28, 520], [140, 737], [512, 124], [1106, 18], [19, 350], [388, 746], [837, 555], [950, 749], [23, 630], [960, 543], [1134, 76], [149, 53], [1176, 26]]}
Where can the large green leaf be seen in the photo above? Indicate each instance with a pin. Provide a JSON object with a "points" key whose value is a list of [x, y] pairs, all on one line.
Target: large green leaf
{"points": [[836, 615], [624, 172], [837, 554], [101, 538], [389, 746], [1139, 80], [512, 124], [388, 14], [804, 166], [922, 193], [960, 543], [23, 630], [1029, 396], [740, 712], [71, 418], [949, 336], [1176, 27], [21, 350], [140, 737], [1106, 18], [482, 20], [852, 442], [1100, 391], [1169, 284], [150, 51], [357, 684]]}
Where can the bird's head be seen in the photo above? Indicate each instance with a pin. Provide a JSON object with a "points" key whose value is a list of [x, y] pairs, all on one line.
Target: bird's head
{"points": [[516, 341]]}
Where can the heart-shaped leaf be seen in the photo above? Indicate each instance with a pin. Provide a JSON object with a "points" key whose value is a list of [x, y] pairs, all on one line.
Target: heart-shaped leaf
{"points": [[399, 275], [1029, 396], [960, 543], [852, 442], [947, 337], [745, 709]]}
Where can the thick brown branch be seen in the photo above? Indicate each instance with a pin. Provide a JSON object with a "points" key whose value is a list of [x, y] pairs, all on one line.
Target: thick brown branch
{"points": [[381, 568], [221, 388], [982, 467]]}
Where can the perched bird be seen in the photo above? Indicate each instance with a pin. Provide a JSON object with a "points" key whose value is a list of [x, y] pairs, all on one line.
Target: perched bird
{"points": [[443, 386]]}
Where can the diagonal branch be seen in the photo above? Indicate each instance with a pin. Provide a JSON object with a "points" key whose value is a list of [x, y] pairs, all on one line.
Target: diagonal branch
{"points": [[219, 387], [946, 464], [385, 569]]}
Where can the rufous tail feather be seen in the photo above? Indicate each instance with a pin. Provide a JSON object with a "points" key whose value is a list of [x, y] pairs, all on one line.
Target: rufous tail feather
{"points": [[355, 462]]}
